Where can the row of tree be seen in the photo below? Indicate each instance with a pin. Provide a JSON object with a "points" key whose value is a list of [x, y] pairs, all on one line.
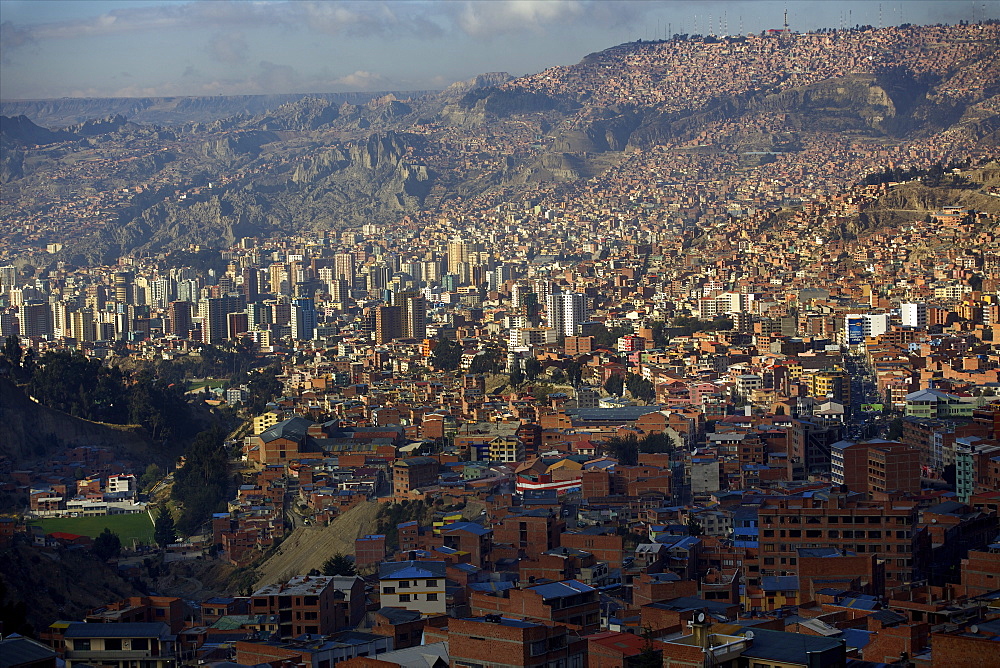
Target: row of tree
{"points": [[88, 389], [626, 448], [204, 483]]}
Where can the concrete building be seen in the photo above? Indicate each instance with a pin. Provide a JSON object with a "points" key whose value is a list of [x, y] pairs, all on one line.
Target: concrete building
{"points": [[414, 585]]}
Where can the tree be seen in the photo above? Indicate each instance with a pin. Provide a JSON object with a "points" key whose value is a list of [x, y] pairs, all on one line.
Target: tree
{"points": [[447, 355], [624, 449], [516, 375], [204, 482], [338, 564], [614, 385], [13, 614], [532, 367], [164, 530], [648, 657], [694, 526], [11, 354], [107, 545], [639, 387], [150, 477], [574, 370]]}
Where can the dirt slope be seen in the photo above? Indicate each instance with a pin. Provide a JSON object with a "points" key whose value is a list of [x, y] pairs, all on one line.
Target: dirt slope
{"points": [[308, 547]]}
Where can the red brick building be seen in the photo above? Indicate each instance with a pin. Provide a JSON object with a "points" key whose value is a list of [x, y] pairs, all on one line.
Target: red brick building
{"points": [[981, 572], [571, 603], [603, 542], [882, 467], [317, 604], [496, 640], [369, 550], [413, 473], [529, 533], [845, 522]]}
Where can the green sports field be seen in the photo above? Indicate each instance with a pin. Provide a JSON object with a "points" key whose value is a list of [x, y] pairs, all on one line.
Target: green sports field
{"points": [[126, 526]]}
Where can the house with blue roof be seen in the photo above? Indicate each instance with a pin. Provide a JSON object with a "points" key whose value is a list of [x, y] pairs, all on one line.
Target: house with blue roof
{"points": [[570, 603], [414, 585]]}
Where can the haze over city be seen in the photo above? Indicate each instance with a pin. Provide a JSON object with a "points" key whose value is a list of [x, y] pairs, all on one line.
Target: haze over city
{"points": [[129, 48]]}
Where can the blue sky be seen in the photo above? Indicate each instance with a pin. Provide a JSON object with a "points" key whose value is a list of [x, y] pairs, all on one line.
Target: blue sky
{"points": [[99, 48]]}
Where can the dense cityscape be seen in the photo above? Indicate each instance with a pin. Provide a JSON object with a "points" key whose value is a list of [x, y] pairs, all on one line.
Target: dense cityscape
{"points": [[611, 408]]}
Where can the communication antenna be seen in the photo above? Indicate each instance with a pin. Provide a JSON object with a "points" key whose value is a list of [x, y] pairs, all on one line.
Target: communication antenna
{"points": [[786, 19], [880, 16]]}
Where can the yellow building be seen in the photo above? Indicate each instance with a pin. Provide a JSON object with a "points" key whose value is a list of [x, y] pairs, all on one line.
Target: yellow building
{"points": [[262, 423]]}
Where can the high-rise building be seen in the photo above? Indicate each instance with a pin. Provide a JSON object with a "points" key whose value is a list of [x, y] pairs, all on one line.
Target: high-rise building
{"points": [[188, 290], [214, 313], [303, 319], [257, 316], [281, 283], [179, 316], [344, 266], [159, 292], [35, 318], [914, 314], [877, 466], [458, 252], [857, 327], [566, 310], [250, 287], [60, 319], [414, 314], [388, 323], [123, 287], [8, 278], [82, 326]]}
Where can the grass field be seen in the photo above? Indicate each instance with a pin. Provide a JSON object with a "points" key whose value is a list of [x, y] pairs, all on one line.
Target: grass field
{"points": [[210, 382], [126, 526]]}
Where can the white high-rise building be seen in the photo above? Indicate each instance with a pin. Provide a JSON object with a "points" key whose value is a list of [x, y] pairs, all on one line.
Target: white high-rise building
{"points": [[914, 314], [565, 311]]}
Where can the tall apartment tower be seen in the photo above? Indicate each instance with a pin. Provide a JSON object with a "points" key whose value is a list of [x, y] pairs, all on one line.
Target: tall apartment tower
{"points": [[35, 318], [566, 310], [214, 313], [280, 279], [179, 314], [413, 313], [303, 319], [123, 287], [343, 266], [914, 314], [250, 287], [388, 323]]}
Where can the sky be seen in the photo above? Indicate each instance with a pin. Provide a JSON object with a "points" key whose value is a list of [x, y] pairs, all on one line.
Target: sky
{"points": [[139, 48]]}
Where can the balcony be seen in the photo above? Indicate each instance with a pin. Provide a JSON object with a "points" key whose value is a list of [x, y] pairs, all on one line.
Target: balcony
{"points": [[98, 655]]}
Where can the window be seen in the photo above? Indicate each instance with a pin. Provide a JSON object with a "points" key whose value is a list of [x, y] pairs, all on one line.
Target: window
{"points": [[388, 590], [432, 597], [403, 584], [404, 598], [113, 644], [432, 583], [140, 644], [81, 644]]}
